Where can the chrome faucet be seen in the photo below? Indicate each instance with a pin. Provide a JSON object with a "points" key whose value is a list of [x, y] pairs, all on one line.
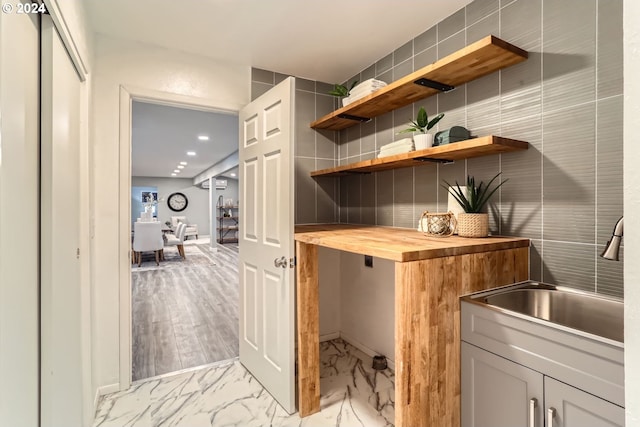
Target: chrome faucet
{"points": [[612, 249]]}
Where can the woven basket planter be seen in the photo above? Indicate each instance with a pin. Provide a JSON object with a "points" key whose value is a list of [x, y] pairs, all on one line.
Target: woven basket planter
{"points": [[473, 224]]}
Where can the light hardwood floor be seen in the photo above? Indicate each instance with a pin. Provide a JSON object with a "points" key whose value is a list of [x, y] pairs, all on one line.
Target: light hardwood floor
{"points": [[185, 316]]}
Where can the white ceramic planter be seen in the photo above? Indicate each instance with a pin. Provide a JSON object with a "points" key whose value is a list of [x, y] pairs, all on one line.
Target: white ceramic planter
{"points": [[423, 140], [346, 101]]}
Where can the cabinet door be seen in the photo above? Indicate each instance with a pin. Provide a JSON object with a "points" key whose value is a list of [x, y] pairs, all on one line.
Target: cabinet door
{"points": [[572, 407], [497, 392]]}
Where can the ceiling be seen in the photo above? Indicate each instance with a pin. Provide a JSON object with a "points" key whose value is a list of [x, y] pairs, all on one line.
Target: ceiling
{"points": [[329, 41], [333, 40], [162, 135], [230, 174]]}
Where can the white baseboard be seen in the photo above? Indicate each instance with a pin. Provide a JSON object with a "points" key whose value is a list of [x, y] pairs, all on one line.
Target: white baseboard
{"points": [[366, 350], [107, 389], [329, 337], [101, 391], [96, 398]]}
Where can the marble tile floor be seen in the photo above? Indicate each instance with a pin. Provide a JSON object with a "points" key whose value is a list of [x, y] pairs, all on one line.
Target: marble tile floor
{"points": [[353, 394]]}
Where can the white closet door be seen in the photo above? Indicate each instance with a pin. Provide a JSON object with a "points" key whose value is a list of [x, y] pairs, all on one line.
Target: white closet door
{"points": [[61, 316], [19, 127]]}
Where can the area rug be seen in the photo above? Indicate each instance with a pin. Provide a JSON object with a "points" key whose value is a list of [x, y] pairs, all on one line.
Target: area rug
{"points": [[196, 255]]}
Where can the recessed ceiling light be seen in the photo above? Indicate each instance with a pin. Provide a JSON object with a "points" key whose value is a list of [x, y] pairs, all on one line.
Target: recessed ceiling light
{"points": [[232, 174], [203, 137], [180, 167], [183, 163], [191, 153], [174, 174], [177, 171]]}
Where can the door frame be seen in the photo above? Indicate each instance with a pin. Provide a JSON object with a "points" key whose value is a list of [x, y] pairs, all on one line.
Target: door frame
{"points": [[127, 95]]}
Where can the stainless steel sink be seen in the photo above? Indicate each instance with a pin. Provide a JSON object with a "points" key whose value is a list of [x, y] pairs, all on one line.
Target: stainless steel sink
{"points": [[582, 311]]}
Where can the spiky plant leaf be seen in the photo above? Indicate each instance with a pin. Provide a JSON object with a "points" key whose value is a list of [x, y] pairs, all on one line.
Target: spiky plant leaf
{"points": [[476, 197], [435, 121], [422, 123], [421, 119]]}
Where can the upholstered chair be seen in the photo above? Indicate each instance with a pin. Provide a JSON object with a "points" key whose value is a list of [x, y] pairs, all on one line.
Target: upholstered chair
{"points": [[147, 237]]}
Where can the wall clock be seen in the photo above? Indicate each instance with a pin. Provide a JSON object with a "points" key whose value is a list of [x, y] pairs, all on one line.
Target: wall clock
{"points": [[177, 202]]}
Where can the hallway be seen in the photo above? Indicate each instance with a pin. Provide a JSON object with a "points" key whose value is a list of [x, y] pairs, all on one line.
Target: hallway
{"points": [[185, 312]]}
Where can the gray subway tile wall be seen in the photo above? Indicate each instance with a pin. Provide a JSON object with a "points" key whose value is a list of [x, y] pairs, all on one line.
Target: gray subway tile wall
{"points": [[451, 25], [609, 48], [480, 9], [316, 200], [564, 193]]}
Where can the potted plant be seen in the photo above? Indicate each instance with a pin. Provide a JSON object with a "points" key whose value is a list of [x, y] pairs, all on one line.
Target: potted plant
{"points": [[473, 222], [422, 124], [343, 92]]}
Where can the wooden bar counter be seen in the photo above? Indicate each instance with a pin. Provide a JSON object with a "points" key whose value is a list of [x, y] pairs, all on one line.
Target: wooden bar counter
{"points": [[430, 275]]}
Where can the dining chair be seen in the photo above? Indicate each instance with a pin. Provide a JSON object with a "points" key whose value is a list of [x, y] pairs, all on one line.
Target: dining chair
{"points": [[177, 239], [190, 230], [147, 237]]}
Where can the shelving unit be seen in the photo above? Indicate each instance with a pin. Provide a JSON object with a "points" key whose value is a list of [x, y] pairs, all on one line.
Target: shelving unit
{"points": [[483, 57], [475, 147], [227, 224]]}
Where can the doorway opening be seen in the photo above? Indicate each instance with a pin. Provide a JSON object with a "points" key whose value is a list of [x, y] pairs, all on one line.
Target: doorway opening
{"points": [[183, 284]]}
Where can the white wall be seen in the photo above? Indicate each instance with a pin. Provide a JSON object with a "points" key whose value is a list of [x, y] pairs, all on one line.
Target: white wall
{"points": [[329, 291], [197, 211], [163, 72], [367, 303], [632, 211], [357, 302]]}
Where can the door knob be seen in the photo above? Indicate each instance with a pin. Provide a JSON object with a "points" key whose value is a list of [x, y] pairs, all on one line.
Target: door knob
{"points": [[280, 262]]}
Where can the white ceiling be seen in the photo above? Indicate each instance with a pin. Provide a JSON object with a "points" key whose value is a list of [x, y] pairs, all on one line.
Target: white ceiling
{"points": [[162, 135], [231, 174], [328, 40]]}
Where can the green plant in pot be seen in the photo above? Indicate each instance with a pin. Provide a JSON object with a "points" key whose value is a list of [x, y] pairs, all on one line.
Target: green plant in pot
{"points": [[422, 124], [473, 222], [343, 91]]}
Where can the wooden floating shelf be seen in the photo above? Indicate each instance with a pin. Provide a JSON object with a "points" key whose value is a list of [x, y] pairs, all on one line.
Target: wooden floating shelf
{"points": [[482, 146], [483, 57]]}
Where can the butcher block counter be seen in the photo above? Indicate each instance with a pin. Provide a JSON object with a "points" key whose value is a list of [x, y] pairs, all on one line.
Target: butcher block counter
{"points": [[431, 273]]}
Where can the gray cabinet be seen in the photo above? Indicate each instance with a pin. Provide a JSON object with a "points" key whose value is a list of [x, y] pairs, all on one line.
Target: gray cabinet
{"points": [[507, 362], [568, 406], [497, 392]]}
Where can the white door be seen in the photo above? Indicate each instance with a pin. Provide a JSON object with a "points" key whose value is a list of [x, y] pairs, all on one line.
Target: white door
{"points": [[61, 377], [267, 297], [19, 198]]}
